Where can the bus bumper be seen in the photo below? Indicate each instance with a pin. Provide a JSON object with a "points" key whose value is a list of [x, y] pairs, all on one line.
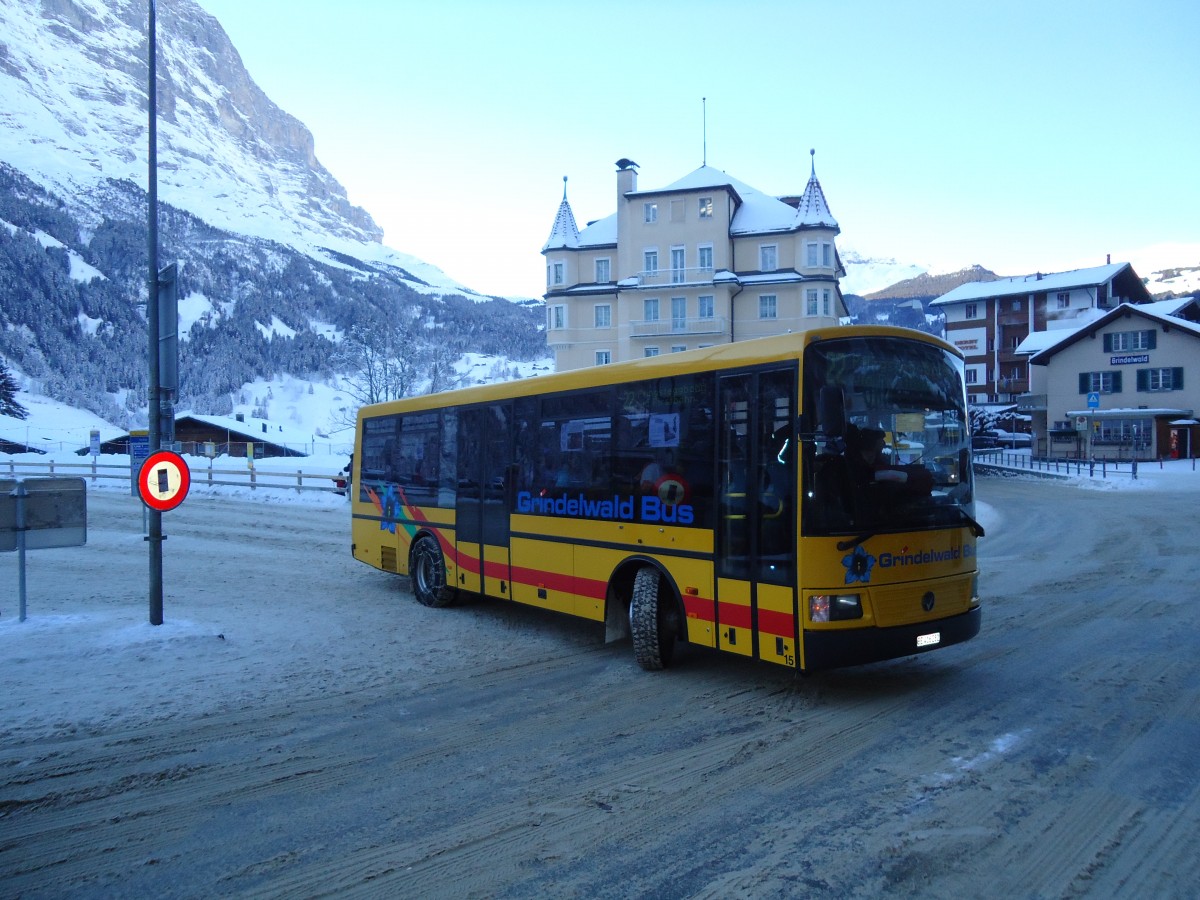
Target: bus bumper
{"points": [[852, 647]]}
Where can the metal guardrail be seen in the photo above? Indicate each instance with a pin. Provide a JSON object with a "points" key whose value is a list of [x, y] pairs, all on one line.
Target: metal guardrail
{"points": [[253, 478], [1061, 467]]}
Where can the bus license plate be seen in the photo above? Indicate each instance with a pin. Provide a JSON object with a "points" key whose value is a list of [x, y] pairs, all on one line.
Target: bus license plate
{"points": [[928, 640]]}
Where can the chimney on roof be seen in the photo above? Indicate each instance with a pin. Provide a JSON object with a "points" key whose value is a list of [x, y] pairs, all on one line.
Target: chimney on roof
{"points": [[1108, 259], [626, 179]]}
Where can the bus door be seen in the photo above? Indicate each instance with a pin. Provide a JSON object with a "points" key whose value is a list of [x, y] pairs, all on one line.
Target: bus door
{"points": [[756, 526], [484, 499]]}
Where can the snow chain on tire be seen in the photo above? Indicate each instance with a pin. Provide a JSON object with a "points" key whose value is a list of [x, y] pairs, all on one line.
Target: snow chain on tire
{"points": [[427, 571], [651, 621]]}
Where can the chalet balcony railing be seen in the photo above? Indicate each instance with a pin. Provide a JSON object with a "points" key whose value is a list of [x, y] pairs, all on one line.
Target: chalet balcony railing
{"points": [[668, 277], [669, 326]]}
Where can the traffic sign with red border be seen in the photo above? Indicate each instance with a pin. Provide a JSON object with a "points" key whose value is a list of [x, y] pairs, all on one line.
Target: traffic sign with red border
{"points": [[163, 480]]}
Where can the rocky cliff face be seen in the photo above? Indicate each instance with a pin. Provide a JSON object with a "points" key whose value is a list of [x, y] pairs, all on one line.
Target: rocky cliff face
{"points": [[77, 73]]}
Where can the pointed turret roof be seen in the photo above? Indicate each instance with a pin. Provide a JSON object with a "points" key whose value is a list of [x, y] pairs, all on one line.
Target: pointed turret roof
{"points": [[565, 233], [813, 210]]}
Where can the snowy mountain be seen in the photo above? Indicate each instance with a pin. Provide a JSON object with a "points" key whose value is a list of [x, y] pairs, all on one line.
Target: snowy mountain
{"points": [[73, 75], [1183, 281], [866, 274], [279, 274]]}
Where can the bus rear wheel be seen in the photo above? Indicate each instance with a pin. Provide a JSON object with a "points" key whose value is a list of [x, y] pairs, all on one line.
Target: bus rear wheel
{"points": [[428, 572], [653, 621]]}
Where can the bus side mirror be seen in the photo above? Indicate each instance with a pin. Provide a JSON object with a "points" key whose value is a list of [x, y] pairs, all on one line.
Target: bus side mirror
{"points": [[831, 411]]}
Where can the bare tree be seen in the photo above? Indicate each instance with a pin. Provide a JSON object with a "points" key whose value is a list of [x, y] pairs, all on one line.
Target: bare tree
{"points": [[381, 362], [442, 374]]}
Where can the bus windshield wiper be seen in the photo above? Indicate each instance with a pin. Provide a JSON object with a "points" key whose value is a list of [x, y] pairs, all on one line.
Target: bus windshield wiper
{"points": [[854, 542], [976, 528]]}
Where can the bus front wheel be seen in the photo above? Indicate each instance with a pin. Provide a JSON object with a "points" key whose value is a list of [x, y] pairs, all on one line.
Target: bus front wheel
{"points": [[428, 572], [653, 620]]}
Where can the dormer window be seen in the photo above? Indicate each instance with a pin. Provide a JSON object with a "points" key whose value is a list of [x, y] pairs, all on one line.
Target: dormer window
{"points": [[768, 257]]}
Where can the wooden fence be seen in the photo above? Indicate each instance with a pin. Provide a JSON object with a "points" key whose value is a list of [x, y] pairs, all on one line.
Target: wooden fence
{"points": [[243, 476]]}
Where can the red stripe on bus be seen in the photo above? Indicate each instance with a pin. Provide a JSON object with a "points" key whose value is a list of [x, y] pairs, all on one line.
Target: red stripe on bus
{"points": [[734, 614], [464, 561], [778, 623], [699, 608], [566, 584]]}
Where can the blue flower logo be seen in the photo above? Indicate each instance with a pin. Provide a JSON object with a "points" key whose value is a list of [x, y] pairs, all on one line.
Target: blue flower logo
{"points": [[858, 565]]}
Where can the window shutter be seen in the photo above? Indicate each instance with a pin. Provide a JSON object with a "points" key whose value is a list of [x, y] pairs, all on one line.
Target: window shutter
{"points": [[1153, 339], [1116, 382], [1085, 381], [1108, 343], [1143, 379], [1177, 378]]}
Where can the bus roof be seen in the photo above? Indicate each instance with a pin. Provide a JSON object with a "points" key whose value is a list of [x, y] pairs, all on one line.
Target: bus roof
{"points": [[737, 354]]}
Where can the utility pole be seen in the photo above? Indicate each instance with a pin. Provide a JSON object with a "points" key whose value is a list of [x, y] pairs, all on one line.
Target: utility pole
{"points": [[154, 523]]}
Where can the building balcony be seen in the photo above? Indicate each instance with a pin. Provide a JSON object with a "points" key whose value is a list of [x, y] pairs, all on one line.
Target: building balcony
{"points": [[1017, 386], [669, 277], [667, 327], [1031, 403]]}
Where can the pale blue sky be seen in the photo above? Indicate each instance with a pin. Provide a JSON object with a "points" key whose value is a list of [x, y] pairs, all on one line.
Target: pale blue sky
{"points": [[1022, 136]]}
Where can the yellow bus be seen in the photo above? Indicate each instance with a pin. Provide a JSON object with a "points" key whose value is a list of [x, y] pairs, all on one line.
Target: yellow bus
{"points": [[805, 499]]}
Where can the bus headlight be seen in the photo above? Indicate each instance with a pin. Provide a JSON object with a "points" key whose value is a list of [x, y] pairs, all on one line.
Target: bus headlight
{"points": [[834, 607]]}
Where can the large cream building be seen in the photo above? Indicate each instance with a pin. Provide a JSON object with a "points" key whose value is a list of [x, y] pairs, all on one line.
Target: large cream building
{"points": [[705, 260]]}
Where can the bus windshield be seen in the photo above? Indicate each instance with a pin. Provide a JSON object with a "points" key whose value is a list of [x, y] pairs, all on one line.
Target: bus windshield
{"points": [[890, 449]]}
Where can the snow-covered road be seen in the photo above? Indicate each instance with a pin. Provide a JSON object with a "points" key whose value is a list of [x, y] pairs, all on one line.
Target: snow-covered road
{"points": [[300, 726]]}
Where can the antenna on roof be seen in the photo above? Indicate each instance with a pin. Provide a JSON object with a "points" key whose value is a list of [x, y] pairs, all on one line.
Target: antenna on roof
{"points": [[704, 116]]}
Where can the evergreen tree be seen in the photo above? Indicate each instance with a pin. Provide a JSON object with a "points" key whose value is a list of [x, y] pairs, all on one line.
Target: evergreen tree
{"points": [[8, 395]]}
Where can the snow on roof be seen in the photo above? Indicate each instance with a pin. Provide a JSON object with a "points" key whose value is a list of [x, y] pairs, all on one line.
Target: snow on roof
{"points": [[601, 233], [52, 425], [1021, 285], [1040, 356], [761, 214], [256, 429], [701, 179], [1038, 341], [776, 277], [564, 233], [1168, 307], [1129, 412], [813, 209], [757, 213]]}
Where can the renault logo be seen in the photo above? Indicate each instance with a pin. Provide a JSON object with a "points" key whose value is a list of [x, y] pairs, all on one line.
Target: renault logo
{"points": [[927, 601]]}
